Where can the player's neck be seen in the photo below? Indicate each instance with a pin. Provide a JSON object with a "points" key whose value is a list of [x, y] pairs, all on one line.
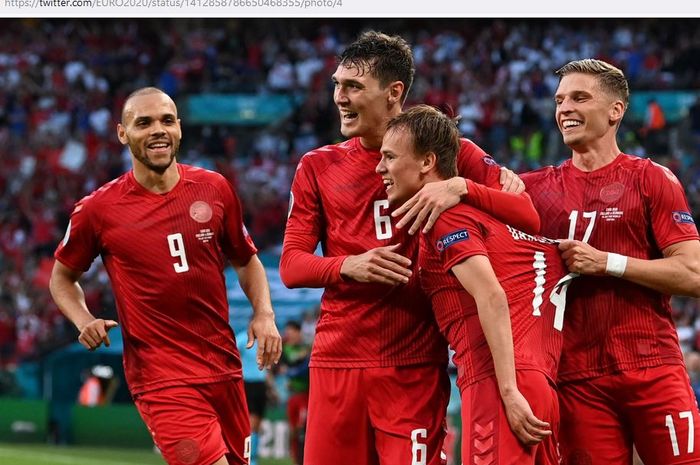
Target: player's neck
{"points": [[155, 182], [593, 158]]}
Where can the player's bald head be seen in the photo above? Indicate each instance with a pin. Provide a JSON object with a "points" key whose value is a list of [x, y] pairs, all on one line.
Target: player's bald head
{"points": [[126, 109]]}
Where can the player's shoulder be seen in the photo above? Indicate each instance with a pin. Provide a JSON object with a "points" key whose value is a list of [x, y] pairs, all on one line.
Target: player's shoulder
{"points": [[459, 216], [545, 172], [199, 174], [648, 167], [471, 150], [106, 194], [322, 158]]}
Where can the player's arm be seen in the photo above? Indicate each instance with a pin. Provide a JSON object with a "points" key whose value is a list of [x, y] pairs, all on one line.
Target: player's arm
{"points": [[70, 299], [677, 273], [253, 281], [300, 267], [478, 278], [490, 188]]}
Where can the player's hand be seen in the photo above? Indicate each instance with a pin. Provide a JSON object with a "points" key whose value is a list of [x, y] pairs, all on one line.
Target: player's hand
{"points": [[583, 258], [527, 427], [379, 265], [428, 203], [263, 328], [510, 182], [94, 333]]}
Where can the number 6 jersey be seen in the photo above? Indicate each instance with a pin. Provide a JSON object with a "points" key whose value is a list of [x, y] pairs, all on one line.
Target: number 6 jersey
{"points": [[531, 272], [165, 255]]}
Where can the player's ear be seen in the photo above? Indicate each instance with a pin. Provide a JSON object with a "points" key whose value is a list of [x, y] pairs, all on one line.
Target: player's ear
{"points": [[121, 134], [617, 111], [429, 162], [395, 92]]}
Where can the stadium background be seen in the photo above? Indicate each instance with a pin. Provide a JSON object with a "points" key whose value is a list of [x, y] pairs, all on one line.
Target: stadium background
{"points": [[253, 96]]}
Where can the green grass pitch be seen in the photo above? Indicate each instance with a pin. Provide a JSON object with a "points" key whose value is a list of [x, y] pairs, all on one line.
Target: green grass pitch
{"points": [[42, 454]]}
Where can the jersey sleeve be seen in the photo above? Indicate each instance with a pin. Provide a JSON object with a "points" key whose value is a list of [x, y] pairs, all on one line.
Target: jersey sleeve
{"points": [[484, 190], [671, 219], [457, 236], [237, 244], [80, 245], [299, 267]]}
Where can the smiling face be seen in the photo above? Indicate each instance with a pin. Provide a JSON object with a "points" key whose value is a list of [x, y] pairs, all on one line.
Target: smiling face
{"points": [[585, 113], [364, 105], [151, 129], [402, 169]]}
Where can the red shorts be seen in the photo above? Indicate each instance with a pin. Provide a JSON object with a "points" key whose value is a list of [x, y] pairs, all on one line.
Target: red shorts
{"points": [[197, 425], [654, 408], [486, 434], [370, 416]]}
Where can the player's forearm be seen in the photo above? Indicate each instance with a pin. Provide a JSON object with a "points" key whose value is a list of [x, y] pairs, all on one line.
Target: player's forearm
{"points": [[494, 316], [253, 281], [70, 299], [301, 268], [671, 275], [516, 210]]}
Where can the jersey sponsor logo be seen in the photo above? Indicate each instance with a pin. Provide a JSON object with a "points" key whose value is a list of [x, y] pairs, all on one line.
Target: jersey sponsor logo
{"points": [[490, 161], [451, 238], [612, 192], [201, 211], [683, 218]]}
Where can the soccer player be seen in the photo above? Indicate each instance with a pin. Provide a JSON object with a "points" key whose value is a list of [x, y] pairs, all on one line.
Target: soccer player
{"points": [[629, 230], [498, 296], [163, 231], [378, 386]]}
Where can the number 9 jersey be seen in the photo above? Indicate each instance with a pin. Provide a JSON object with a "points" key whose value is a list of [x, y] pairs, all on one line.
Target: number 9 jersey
{"points": [[165, 255]]}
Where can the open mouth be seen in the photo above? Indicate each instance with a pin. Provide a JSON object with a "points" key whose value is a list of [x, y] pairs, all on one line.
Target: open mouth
{"points": [[158, 147], [348, 116], [388, 184], [570, 123]]}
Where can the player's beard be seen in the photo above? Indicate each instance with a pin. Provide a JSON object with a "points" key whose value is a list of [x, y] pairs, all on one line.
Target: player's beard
{"points": [[139, 154]]}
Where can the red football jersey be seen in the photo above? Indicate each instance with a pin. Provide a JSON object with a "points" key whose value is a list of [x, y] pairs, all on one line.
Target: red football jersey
{"points": [[165, 255], [338, 199], [531, 273], [633, 207]]}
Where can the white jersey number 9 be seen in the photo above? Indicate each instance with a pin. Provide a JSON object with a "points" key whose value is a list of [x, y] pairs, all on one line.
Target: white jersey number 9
{"points": [[177, 250]]}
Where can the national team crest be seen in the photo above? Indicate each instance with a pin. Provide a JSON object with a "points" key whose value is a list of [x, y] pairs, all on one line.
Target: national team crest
{"points": [[201, 211], [612, 192]]}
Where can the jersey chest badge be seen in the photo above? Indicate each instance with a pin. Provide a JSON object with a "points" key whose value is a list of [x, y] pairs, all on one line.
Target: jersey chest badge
{"points": [[612, 192], [201, 212]]}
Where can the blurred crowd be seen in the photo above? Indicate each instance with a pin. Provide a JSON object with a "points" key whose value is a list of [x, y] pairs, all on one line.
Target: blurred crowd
{"points": [[63, 82]]}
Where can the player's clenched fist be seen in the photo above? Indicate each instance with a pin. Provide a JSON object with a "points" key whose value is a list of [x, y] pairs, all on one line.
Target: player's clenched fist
{"points": [[93, 334]]}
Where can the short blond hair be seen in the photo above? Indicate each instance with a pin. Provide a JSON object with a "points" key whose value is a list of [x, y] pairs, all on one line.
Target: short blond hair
{"points": [[611, 79]]}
